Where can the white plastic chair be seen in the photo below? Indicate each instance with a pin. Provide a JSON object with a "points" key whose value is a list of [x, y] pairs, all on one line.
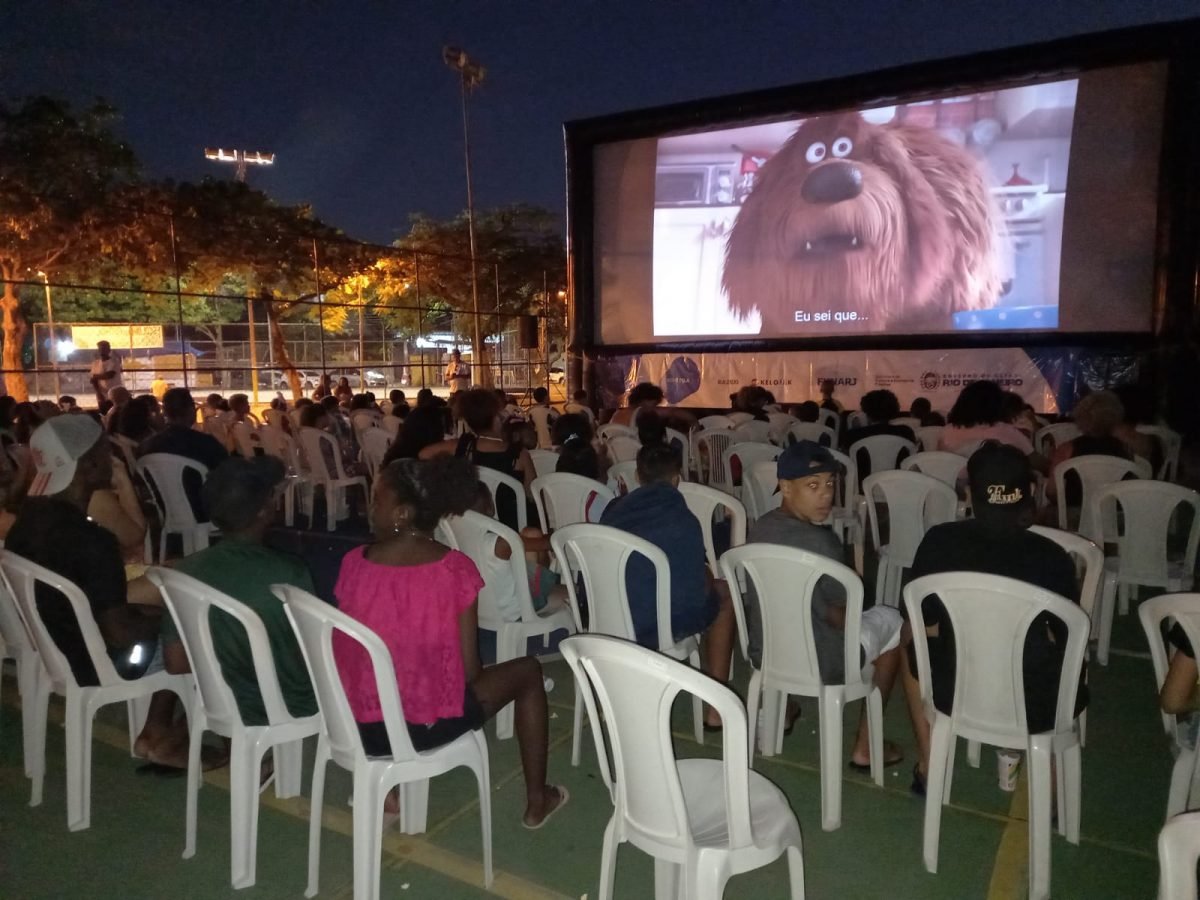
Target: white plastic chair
{"points": [[784, 579], [759, 489], [1178, 851], [830, 418], [856, 419], [163, 474], [1093, 472], [716, 422], [739, 418], [246, 439], [708, 448], [1170, 442], [945, 467], [1047, 438], [1137, 517], [216, 425], [476, 536], [22, 578], [752, 432], [373, 446], [496, 480], [623, 447], [811, 431], [1184, 610], [622, 478], [680, 442], [544, 461], [325, 468], [780, 423], [847, 515], [601, 554], [282, 446], [990, 617], [884, 451], [915, 503], [912, 423], [928, 437], [703, 820], [17, 644], [705, 502], [611, 430], [747, 454], [190, 603], [561, 498], [315, 623]]}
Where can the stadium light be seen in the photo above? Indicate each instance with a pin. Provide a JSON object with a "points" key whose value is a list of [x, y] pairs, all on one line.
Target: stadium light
{"points": [[240, 158]]}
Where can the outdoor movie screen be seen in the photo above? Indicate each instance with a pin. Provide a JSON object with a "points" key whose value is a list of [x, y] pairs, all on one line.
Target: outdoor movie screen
{"points": [[1019, 208]]}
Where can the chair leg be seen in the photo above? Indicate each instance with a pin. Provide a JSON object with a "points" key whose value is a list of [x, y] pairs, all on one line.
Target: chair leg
{"points": [[697, 704], [1069, 789], [752, 713], [484, 779], [79, 762], [830, 712], [331, 501], [245, 763], [27, 683], [368, 836], [973, 752], [137, 710], [1108, 592], [194, 776], [940, 742], [320, 764], [414, 806], [795, 858], [39, 707], [875, 734], [1123, 598], [668, 880], [608, 861], [577, 730], [289, 761], [1038, 761], [1181, 782]]}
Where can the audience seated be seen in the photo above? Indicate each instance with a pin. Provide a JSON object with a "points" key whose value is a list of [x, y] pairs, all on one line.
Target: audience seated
{"points": [[978, 415], [880, 407], [181, 438], [579, 404], [420, 598], [1015, 411], [485, 444], [139, 419], [241, 496], [543, 416], [808, 411], [808, 474], [995, 542], [544, 586], [1180, 694], [53, 530], [1098, 415], [423, 427], [648, 397], [753, 399], [922, 409], [657, 512], [579, 452]]}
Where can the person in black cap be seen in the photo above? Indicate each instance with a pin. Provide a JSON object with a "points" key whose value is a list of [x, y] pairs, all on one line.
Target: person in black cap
{"points": [[808, 476], [997, 541]]}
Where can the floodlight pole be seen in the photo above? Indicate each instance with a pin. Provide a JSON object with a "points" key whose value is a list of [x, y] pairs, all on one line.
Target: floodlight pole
{"points": [[470, 76], [53, 342]]}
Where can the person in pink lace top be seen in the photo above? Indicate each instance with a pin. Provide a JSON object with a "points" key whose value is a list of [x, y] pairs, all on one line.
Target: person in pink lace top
{"points": [[420, 598]]}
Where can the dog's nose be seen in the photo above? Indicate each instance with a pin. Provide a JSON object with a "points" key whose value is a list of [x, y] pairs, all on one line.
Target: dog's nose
{"points": [[832, 182]]}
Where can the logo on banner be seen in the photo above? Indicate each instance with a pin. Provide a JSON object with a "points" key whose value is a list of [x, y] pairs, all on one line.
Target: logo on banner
{"points": [[930, 381], [682, 379], [844, 381]]}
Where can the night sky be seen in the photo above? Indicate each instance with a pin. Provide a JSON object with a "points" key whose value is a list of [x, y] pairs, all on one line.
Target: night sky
{"points": [[364, 117]]}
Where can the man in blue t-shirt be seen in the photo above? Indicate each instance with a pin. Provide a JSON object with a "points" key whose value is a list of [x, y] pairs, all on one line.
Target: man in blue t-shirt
{"points": [[657, 512]]}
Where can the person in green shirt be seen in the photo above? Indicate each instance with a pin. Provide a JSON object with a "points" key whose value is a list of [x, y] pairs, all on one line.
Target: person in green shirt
{"points": [[240, 495]]}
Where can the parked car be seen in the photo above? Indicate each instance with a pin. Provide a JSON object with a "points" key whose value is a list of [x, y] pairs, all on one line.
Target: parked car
{"points": [[371, 378], [557, 375], [278, 380]]}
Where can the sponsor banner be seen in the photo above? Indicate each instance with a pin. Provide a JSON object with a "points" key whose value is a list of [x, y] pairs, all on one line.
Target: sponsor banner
{"points": [[121, 337], [707, 379]]}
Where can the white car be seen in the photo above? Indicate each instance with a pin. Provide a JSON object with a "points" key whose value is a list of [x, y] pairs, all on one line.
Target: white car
{"points": [[557, 375]]}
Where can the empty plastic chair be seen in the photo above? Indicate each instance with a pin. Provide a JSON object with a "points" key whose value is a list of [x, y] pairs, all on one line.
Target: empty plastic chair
{"points": [[703, 820], [544, 461], [505, 581], [945, 467], [608, 432], [373, 443], [1094, 472], [705, 503], [881, 452], [623, 448], [163, 474], [600, 556], [622, 478], [1178, 851], [991, 617], [716, 422], [22, 577], [316, 622], [784, 579], [811, 431], [497, 481], [708, 448], [191, 603], [327, 472], [752, 432], [914, 503], [830, 418], [562, 498], [760, 492], [1170, 442], [740, 456]]}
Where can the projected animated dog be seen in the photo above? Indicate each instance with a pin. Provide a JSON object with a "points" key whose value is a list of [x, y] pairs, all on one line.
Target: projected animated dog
{"points": [[852, 221]]}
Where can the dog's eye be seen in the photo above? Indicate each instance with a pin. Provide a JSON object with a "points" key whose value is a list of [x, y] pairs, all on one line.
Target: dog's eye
{"points": [[815, 152], [842, 147]]}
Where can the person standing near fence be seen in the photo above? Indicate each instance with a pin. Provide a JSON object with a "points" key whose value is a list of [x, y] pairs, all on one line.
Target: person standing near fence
{"points": [[106, 371], [458, 373]]}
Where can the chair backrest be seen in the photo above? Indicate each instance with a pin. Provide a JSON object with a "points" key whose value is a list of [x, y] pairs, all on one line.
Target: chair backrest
{"points": [[1141, 531], [747, 453], [1183, 610], [544, 461], [163, 474], [910, 422], [856, 419], [246, 439], [562, 499], [629, 692], [705, 502], [991, 616], [324, 455], [494, 481], [915, 503], [884, 451], [928, 437], [779, 424], [272, 438], [760, 494], [711, 444], [716, 422], [622, 478], [784, 579], [216, 425], [374, 443], [739, 418], [811, 431], [1045, 439], [1170, 442], [504, 580], [623, 447], [1094, 472], [830, 418], [847, 489], [1088, 559], [945, 467], [601, 555], [752, 432], [191, 603], [22, 577], [443, 535], [315, 623], [1178, 851], [611, 430], [15, 637], [683, 444]]}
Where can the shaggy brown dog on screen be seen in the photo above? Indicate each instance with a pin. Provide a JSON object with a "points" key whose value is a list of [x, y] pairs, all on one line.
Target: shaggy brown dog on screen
{"points": [[889, 223]]}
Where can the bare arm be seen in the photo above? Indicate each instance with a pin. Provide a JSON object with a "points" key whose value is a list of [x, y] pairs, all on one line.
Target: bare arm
{"points": [[1179, 693], [441, 448]]}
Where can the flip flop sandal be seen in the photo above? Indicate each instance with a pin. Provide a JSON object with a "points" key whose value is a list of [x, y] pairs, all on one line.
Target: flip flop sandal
{"points": [[566, 797]]}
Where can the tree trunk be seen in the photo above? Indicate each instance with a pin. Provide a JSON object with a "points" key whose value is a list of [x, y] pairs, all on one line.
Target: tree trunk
{"points": [[282, 359], [15, 327]]}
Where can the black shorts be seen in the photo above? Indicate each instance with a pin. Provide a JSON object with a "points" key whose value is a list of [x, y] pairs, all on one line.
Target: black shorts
{"points": [[426, 737]]}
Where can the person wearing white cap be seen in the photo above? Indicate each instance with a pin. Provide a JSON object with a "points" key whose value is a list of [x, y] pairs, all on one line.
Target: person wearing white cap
{"points": [[52, 529]]}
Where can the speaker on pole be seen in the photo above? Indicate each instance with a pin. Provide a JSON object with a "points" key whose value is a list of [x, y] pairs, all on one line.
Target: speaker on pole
{"points": [[527, 332]]}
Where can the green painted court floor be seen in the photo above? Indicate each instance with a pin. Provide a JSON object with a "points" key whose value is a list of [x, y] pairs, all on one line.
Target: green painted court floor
{"points": [[133, 849]]}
